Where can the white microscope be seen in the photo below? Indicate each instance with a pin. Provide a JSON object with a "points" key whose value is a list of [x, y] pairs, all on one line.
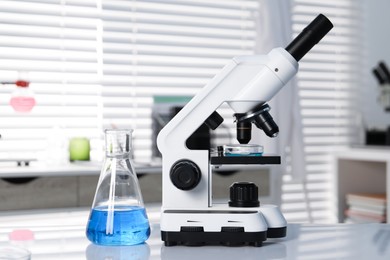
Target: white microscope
{"points": [[188, 215]]}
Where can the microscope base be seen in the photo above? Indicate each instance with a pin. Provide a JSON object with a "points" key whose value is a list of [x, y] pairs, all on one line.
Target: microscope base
{"points": [[222, 226]]}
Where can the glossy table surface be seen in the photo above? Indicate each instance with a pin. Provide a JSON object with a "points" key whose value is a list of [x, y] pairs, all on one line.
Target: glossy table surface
{"points": [[60, 234]]}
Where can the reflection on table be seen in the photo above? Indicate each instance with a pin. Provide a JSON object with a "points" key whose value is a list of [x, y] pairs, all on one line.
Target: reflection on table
{"points": [[61, 235]]}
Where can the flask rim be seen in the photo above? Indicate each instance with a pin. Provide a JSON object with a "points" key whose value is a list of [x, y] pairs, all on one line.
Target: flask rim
{"points": [[118, 143], [126, 130]]}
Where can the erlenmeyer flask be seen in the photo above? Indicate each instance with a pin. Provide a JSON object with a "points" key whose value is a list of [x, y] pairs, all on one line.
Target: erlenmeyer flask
{"points": [[118, 215]]}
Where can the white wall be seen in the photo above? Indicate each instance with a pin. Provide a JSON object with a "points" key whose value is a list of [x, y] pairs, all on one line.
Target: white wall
{"points": [[377, 37]]}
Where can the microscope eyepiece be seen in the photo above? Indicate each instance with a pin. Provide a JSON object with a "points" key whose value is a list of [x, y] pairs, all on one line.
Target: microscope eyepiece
{"points": [[309, 37]]}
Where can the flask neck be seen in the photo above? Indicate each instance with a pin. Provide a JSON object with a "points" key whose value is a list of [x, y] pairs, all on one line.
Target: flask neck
{"points": [[118, 143]]}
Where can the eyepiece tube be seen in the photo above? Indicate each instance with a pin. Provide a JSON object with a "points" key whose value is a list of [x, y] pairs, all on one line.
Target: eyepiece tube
{"points": [[309, 37], [385, 71], [378, 75]]}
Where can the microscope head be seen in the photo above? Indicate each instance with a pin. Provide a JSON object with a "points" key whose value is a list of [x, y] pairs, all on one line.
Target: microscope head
{"points": [[259, 114], [260, 117]]}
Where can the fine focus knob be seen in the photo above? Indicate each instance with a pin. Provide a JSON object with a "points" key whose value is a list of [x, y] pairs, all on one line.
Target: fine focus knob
{"points": [[244, 194], [185, 175]]}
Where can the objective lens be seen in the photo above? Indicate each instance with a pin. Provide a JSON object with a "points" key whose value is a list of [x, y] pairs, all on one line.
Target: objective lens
{"points": [[244, 131], [266, 122]]}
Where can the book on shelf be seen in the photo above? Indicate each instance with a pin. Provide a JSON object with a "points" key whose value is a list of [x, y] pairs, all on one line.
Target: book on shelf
{"points": [[365, 207], [367, 198], [361, 217]]}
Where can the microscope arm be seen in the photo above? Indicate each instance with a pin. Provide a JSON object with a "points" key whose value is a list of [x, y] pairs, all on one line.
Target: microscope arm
{"points": [[240, 85]]}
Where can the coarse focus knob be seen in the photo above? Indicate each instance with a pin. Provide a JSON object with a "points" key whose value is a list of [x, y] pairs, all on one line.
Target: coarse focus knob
{"points": [[244, 194], [185, 175]]}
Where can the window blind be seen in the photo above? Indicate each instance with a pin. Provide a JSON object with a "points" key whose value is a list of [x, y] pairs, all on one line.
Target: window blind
{"points": [[97, 64], [169, 49], [54, 43], [329, 81]]}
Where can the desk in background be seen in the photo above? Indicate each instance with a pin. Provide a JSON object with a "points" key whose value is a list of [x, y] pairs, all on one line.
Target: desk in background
{"points": [[60, 186], [39, 169]]}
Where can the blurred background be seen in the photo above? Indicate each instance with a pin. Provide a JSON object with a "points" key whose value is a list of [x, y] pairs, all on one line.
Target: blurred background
{"points": [[71, 68]]}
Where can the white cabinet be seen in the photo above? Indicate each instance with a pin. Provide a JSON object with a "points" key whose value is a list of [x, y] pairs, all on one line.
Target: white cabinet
{"points": [[364, 170]]}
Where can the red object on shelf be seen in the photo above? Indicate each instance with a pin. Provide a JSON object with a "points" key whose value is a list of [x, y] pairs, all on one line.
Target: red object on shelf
{"points": [[22, 100], [22, 83]]}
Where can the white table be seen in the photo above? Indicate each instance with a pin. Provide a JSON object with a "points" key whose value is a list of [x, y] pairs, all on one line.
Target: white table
{"points": [[59, 234]]}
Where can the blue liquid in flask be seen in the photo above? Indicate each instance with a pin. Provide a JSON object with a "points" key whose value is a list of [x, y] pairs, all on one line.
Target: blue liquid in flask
{"points": [[130, 226]]}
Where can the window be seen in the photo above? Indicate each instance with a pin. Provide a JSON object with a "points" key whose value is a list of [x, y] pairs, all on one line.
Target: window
{"points": [[100, 64], [329, 80], [56, 44]]}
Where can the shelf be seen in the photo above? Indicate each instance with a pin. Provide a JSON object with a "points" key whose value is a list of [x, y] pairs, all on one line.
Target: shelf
{"points": [[361, 170], [36, 169]]}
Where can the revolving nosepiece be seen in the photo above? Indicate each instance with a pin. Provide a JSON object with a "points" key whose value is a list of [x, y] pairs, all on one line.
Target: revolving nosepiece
{"points": [[262, 119]]}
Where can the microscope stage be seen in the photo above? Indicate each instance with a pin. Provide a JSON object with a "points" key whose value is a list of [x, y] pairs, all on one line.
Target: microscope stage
{"points": [[263, 159]]}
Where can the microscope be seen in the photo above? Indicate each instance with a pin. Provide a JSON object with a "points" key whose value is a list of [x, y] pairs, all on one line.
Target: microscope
{"points": [[382, 74], [188, 215]]}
